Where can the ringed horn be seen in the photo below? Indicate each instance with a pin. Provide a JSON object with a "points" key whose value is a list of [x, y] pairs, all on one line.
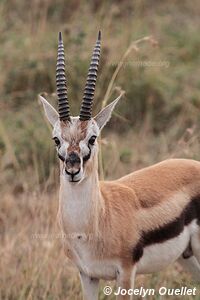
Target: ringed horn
{"points": [[86, 106], [63, 105]]}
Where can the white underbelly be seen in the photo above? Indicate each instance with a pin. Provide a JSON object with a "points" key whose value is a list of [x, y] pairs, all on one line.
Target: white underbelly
{"points": [[158, 256]]}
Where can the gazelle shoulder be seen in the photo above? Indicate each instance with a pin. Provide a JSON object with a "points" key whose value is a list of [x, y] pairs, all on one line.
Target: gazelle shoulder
{"points": [[116, 192], [170, 169], [162, 181]]}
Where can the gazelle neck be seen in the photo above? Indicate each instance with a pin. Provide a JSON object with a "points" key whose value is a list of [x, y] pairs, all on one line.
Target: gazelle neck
{"points": [[80, 204]]}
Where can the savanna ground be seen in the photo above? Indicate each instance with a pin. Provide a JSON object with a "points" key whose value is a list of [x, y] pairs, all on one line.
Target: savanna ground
{"points": [[158, 118]]}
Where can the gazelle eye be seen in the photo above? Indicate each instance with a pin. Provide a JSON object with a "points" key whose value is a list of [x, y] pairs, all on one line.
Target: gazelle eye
{"points": [[57, 142], [92, 140]]}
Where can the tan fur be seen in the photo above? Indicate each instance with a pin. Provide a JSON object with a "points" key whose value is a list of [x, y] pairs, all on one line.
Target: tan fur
{"points": [[170, 176], [74, 132]]}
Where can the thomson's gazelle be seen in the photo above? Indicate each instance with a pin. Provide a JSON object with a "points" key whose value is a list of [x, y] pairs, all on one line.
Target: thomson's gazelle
{"points": [[139, 223]]}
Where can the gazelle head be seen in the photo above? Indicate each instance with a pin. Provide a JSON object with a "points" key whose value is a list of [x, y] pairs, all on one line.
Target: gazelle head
{"points": [[76, 137]]}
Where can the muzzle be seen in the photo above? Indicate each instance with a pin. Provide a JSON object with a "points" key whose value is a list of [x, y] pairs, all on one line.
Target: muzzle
{"points": [[72, 165]]}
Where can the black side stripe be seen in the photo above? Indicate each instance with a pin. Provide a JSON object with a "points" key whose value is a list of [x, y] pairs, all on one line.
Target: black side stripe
{"points": [[170, 230]]}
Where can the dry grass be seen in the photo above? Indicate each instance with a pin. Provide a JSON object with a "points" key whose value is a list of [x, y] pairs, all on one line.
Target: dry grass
{"points": [[32, 259]]}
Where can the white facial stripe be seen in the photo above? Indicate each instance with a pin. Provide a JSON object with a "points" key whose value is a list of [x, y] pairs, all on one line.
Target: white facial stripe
{"points": [[63, 149], [84, 148], [93, 130], [57, 130]]}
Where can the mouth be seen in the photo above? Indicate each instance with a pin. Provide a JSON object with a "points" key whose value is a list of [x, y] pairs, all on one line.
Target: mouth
{"points": [[72, 177], [73, 180]]}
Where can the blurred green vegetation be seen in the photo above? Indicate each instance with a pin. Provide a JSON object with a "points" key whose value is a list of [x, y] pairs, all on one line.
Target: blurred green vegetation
{"points": [[162, 102]]}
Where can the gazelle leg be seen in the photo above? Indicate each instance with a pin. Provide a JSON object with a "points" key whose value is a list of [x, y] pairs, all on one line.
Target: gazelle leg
{"points": [[89, 287], [195, 243], [192, 266], [133, 274], [125, 282]]}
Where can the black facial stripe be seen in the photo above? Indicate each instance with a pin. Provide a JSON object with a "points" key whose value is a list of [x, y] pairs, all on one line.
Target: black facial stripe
{"points": [[85, 158], [170, 230], [61, 157]]}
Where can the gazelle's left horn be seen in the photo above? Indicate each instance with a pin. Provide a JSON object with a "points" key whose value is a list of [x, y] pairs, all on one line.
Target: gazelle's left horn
{"points": [[86, 106], [63, 105]]}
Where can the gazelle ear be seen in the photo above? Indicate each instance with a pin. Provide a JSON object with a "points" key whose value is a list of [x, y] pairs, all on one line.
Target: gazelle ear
{"points": [[105, 114], [50, 112]]}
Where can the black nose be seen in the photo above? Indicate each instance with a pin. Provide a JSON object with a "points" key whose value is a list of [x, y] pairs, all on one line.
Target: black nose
{"points": [[72, 160], [72, 167]]}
